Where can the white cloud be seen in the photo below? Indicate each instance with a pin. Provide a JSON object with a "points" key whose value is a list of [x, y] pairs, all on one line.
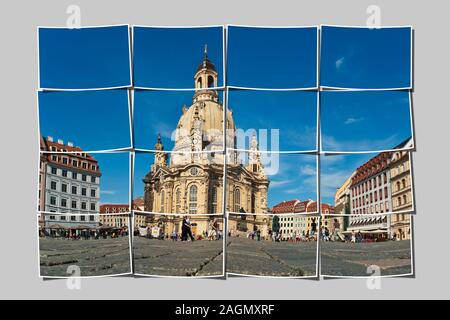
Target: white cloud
{"points": [[340, 62], [308, 170], [108, 192], [275, 184], [360, 145], [329, 182], [352, 120], [164, 129]]}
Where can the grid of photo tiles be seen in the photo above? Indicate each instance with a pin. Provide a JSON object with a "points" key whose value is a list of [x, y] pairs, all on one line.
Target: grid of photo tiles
{"points": [[225, 151]]}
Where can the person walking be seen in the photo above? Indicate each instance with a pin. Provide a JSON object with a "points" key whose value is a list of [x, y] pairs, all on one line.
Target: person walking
{"points": [[174, 235], [184, 227], [189, 229], [336, 230]]}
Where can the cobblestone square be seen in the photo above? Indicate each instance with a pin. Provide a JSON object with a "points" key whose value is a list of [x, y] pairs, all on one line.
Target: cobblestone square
{"points": [[352, 259], [267, 258], [178, 258], [93, 257]]}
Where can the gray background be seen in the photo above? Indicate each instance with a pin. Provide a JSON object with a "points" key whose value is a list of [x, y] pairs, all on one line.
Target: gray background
{"points": [[19, 156]]}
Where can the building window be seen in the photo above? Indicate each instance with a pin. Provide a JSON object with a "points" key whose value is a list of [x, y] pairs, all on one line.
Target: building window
{"points": [[93, 206], [52, 218], [237, 200], [64, 160], [74, 190], [405, 199], [213, 200], [62, 218], [93, 193], [74, 204], [74, 176], [91, 218], [83, 218], [83, 205], [193, 199], [53, 185], [210, 82], [83, 191], [75, 163], [64, 173], [64, 187], [398, 185], [92, 179], [73, 218], [178, 201], [83, 177], [53, 170], [162, 201], [403, 183], [53, 200], [63, 202], [84, 165]]}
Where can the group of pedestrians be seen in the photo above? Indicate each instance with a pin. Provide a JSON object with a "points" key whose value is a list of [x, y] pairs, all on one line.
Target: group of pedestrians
{"points": [[187, 234], [334, 235]]}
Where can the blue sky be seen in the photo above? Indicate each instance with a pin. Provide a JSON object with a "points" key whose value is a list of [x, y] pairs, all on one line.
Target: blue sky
{"points": [[292, 176], [365, 58], [158, 112], [292, 113], [142, 164], [84, 58], [114, 182], [92, 120], [169, 57], [336, 169], [364, 121], [272, 57]]}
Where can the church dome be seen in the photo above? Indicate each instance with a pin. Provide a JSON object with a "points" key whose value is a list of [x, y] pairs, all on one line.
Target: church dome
{"points": [[206, 64], [208, 113]]}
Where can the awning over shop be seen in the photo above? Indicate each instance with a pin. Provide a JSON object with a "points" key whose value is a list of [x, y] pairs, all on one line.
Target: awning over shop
{"points": [[57, 226]]}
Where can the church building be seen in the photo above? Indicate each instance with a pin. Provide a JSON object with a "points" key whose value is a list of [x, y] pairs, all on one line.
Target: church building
{"points": [[191, 181]]}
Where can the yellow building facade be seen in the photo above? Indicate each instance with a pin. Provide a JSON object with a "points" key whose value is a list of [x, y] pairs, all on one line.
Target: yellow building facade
{"points": [[191, 181], [402, 196]]}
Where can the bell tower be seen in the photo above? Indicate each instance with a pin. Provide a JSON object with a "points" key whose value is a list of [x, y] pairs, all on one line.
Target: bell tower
{"points": [[206, 74], [160, 155]]}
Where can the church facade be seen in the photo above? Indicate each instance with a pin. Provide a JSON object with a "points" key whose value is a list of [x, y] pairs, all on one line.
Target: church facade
{"points": [[191, 180]]}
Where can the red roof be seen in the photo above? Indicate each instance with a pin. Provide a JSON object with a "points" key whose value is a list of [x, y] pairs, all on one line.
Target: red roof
{"points": [[372, 167], [297, 206], [116, 206], [67, 154]]}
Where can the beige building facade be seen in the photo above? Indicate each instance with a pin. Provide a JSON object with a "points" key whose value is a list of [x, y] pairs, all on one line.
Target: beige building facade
{"points": [[402, 196], [191, 182]]}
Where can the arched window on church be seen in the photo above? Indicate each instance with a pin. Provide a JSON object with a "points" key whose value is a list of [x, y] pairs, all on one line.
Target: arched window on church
{"points": [[199, 82], [162, 201], [210, 82], [213, 200], [193, 199], [237, 200], [178, 200]]}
